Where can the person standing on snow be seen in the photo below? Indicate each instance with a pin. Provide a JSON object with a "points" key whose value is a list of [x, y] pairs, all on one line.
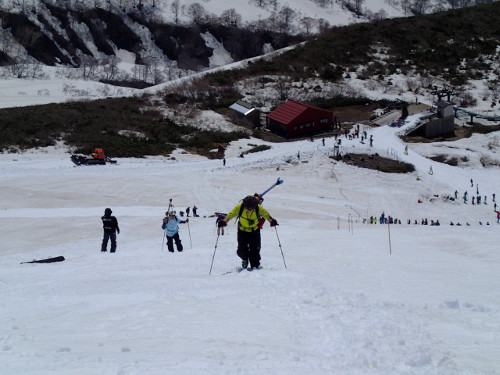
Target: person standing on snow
{"points": [[220, 229], [249, 214], [110, 226], [171, 227]]}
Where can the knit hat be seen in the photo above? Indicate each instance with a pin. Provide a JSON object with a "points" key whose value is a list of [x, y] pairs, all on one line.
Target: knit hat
{"points": [[250, 202]]}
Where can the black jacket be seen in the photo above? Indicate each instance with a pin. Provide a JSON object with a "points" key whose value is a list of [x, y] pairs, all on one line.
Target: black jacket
{"points": [[110, 224]]}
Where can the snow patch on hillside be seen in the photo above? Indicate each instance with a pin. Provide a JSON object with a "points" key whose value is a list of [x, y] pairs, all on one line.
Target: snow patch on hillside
{"points": [[220, 55]]}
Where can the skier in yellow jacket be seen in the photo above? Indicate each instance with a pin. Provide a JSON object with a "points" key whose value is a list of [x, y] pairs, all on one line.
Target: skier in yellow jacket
{"points": [[251, 217]]}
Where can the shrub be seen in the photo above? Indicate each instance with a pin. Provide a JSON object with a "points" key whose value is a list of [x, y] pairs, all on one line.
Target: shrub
{"points": [[258, 149]]}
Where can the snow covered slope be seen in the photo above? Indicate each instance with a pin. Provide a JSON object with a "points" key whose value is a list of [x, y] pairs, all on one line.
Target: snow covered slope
{"points": [[355, 298]]}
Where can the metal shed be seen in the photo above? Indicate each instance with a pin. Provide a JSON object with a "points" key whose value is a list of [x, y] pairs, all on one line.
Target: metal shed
{"points": [[247, 111]]}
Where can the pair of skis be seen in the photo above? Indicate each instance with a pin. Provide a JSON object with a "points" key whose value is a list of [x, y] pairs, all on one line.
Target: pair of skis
{"points": [[279, 181]]}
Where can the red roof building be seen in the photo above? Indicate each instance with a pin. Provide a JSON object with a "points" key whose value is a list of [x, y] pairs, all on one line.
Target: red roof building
{"points": [[294, 118]]}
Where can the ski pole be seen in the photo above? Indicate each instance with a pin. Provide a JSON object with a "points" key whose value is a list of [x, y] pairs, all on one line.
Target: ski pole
{"points": [[163, 242], [279, 243], [213, 256]]}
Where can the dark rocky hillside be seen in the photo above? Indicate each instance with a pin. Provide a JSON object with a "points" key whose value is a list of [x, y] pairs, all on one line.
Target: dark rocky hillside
{"points": [[55, 36]]}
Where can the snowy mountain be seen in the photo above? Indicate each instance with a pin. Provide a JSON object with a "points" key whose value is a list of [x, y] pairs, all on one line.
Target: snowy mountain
{"points": [[161, 39]]}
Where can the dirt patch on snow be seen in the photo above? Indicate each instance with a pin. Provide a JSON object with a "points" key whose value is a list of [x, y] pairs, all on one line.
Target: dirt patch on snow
{"points": [[378, 163]]}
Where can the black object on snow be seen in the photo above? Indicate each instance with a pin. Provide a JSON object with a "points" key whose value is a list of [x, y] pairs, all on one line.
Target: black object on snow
{"points": [[85, 160], [48, 260]]}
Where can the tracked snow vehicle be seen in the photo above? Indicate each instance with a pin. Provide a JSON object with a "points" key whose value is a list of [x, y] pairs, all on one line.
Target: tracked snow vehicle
{"points": [[98, 157]]}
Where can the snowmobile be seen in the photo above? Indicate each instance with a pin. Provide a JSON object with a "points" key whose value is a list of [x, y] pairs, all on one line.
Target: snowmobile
{"points": [[98, 157]]}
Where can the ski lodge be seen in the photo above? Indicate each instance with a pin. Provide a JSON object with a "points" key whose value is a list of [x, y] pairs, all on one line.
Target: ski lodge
{"points": [[294, 118]]}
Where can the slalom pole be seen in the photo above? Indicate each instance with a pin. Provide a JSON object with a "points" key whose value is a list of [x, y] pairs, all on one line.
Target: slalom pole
{"points": [[279, 243], [389, 232], [189, 231], [213, 256]]}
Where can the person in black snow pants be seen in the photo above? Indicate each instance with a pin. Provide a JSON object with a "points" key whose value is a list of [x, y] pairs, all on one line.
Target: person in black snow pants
{"points": [[171, 227], [110, 226], [249, 214]]}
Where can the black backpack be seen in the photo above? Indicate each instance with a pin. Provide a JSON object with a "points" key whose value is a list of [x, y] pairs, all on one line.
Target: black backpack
{"points": [[260, 220], [243, 204]]}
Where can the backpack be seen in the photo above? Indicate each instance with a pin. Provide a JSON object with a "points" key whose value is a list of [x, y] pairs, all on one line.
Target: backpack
{"points": [[259, 218], [243, 206]]}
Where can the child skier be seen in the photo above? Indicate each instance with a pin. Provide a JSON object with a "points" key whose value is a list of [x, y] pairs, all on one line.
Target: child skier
{"points": [[171, 227], [220, 230]]}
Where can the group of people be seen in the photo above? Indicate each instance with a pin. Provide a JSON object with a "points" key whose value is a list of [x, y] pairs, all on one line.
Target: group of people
{"points": [[251, 216], [384, 220], [478, 200], [426, 222], [195, 211]]}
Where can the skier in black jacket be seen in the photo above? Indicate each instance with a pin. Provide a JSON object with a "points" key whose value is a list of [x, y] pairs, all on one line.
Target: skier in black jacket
{"points": [[110, 226]]}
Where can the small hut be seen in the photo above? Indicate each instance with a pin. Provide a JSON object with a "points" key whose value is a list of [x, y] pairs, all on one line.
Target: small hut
{"points": [[246, 111]]}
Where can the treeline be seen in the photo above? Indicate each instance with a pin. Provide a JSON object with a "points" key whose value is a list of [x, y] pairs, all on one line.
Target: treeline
{"points": [[455, 46], [124, 127]]}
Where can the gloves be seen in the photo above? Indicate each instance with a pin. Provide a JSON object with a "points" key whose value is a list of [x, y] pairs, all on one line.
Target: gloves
{"points": [[221, 224], [274, 222]]}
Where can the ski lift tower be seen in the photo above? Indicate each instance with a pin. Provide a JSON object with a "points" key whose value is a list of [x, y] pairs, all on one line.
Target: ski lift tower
{"points": [[447, 91]]}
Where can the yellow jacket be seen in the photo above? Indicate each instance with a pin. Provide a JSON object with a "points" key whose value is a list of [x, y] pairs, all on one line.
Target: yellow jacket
{"points": [[248, 221]]}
